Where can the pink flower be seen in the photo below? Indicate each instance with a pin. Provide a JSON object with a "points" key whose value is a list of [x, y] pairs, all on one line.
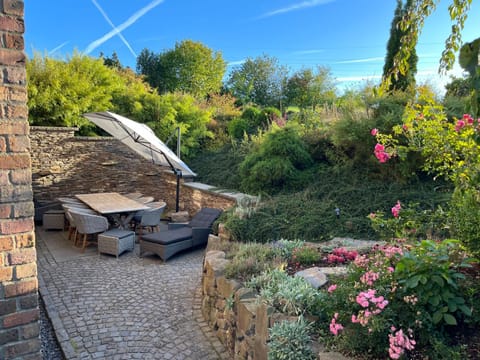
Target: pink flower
{"points": [[374, 132], [380, 153], [390, 251], [396, 209], [334, 327], [332, 288], [404, 127], [460, 124], [399, 342], [468, 119], [369, 278]]}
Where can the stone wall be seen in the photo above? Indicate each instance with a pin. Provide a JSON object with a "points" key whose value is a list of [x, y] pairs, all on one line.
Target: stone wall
{"points": [[235, 314], [65, 165], [232, 311], [19, 313]]}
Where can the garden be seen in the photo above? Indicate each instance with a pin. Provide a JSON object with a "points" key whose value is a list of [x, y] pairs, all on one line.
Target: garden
{"points": [[396, 165], [413, 291]]}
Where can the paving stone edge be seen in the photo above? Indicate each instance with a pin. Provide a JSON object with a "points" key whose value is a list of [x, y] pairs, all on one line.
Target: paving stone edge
{"points": [[62, 336], [219, 348]]}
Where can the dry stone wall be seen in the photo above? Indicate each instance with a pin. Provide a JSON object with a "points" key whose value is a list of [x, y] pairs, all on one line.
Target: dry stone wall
{"points": [[65, 165]]}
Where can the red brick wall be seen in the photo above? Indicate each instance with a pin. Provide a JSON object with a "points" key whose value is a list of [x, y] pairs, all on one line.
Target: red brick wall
{"points": [[19, 328]]}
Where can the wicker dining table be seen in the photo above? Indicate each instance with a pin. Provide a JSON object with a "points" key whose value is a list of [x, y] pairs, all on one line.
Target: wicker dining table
{"points": [[114, 205]]}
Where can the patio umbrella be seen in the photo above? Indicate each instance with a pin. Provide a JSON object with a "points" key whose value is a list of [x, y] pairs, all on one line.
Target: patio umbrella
{"points": [[140, 138]]}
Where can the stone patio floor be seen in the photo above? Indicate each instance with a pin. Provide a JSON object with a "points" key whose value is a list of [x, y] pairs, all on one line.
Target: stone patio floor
{"points": [[130, 308]]}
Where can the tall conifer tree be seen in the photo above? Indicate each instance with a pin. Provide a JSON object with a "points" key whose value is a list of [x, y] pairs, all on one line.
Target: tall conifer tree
{"points": [[403, 81]]}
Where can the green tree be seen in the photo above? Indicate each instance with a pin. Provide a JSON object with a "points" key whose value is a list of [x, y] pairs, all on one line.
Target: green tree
{"points": [[61, 91], [412, 24], [166, 112], [148, 65], [113, 61], [130, 98], [469, 61], [406, 80], [458, 86], [306, 88], [191, 68], [260, 81]]}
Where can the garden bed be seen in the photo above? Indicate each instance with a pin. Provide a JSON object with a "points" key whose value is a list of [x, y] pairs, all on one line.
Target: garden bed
{"points": [[371, 298]]}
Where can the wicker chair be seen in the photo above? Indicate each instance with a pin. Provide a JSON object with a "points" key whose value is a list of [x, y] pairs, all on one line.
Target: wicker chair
{"points": [[145, 199], [133, 195], [72, 232], [69, 200], [88, 225], [150, 219]]}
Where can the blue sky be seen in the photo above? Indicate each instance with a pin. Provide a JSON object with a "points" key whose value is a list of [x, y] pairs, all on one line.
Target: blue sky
{"points": [[347, 36]]}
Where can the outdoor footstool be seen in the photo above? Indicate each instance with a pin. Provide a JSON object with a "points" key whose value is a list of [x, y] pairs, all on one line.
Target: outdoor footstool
{"points": [[116, 241], [54, 220]]}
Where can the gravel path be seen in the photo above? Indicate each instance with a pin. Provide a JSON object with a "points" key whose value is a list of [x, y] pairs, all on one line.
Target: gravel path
{"points": [[50, 348]]}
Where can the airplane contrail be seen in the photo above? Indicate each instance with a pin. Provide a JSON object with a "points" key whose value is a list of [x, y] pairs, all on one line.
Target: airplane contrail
{"points": [[299, 6], [54, 50], [131, 20], [120, 35], [354, 61]]}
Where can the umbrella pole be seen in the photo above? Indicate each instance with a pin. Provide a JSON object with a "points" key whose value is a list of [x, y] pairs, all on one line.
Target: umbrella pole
{"points": [[177, 200]]}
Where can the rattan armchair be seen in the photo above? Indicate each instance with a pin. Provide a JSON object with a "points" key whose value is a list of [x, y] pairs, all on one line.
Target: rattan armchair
{"points": [[88, 225]]}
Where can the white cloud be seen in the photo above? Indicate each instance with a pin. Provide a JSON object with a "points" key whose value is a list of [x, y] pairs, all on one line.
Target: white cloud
{"points": [[120, 35], [294, 7], [93, 45]]}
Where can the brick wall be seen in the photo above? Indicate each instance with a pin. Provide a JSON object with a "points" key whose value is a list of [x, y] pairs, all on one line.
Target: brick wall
{"points": [[64, 165], [19, 328]]}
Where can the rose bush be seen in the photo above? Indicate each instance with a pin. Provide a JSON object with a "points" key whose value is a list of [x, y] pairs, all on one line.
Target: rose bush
{"points": [[399, 300], [450, 149]]}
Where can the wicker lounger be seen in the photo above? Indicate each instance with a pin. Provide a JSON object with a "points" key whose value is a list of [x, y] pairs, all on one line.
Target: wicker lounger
{"points": [[180, 236]]}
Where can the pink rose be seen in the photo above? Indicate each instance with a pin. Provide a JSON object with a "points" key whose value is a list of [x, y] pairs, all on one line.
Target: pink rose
{"points": [[374, 132], [332, 288], [459, 125]]}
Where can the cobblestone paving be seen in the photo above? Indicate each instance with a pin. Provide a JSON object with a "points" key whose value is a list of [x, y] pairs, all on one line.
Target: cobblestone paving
{"points": [[130, 308]]}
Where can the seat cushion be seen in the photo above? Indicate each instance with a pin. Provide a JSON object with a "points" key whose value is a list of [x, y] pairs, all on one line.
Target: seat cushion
{"points": [[205, 218], [118, 233], [169, 236]]}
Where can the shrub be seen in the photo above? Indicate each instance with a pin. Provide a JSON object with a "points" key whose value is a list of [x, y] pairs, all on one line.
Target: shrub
{"points": [[410, 221], [290, 295], [237, 128], [287, 247], [306, 255], [290, 340], [276, 163], [465, 220], [250, 260]]}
